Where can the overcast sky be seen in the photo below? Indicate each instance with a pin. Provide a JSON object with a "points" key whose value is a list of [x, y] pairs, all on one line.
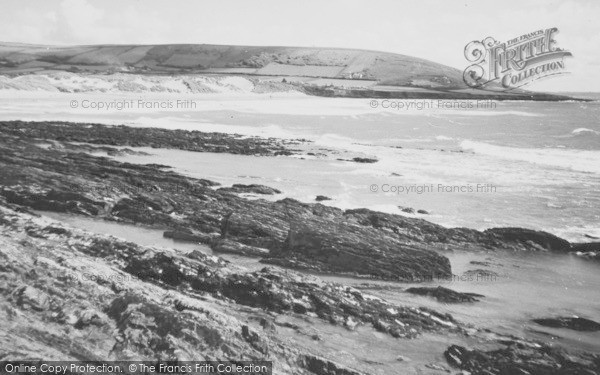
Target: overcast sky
{"points": [[434, 30]]}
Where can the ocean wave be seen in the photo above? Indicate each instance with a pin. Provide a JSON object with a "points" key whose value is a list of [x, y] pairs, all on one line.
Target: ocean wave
{"points": [[577, 160], [172, 123], [407, 140], [475, 112], [340, 142], [583, 233], [579, 131]]}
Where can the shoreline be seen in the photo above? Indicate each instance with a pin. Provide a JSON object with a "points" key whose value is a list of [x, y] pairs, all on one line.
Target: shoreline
{"points": [[216, 83], [274, 234], [441, 94]]}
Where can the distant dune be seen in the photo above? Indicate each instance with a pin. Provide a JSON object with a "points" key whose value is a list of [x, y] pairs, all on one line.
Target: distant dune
{"points": [[315, 71], [134, 83]]}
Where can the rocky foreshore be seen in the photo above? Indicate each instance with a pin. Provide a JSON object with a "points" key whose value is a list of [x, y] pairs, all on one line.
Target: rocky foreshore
{"points": [[70, 294], [520, 357], [286, 232], [444, 294], [434, 94], [126, 136]]}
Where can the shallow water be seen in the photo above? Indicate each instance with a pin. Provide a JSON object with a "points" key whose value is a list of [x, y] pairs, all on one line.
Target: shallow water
{"points": [[529, 286], [128, 232]]}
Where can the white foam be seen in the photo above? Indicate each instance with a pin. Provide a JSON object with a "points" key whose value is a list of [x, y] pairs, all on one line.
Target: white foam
{"points": [[266, 131], [476, 112], [409, 140], [578, 233], [338, 141], [577, 160], [584, 130]]}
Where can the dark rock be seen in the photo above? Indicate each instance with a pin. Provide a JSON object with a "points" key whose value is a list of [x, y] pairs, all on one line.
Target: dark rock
{"points": [[143, 208], [228, 246], [54, 200], [254, 229], [161, 268], [422, 212], [254, 339], [148, 327], [278, 292], [585, 247], [573, 322], [444, 294], [543, 239], [356, 250], [159, 166], [364, 160], [90, 317], [321, 366], [268, 325], [28, 297], [250, 189], [203, 257], [589, 250], [321, 198], [191, 237], [408, 210], [145, 137], [522, 358], [57, 230]]}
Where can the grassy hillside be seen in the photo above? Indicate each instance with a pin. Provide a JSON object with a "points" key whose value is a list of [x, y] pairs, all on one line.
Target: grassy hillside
{"points": [[329, 63], [316, 71]]}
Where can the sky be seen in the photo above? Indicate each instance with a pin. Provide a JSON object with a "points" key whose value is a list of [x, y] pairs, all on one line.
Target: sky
{"points": [[435, 30]]}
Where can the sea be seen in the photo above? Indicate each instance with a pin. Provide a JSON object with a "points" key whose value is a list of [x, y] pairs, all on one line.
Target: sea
{"points": [[476, 164]]}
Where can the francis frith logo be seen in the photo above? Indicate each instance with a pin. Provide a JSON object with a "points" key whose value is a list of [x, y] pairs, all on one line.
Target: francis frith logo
{"points": [[514, 63]]}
